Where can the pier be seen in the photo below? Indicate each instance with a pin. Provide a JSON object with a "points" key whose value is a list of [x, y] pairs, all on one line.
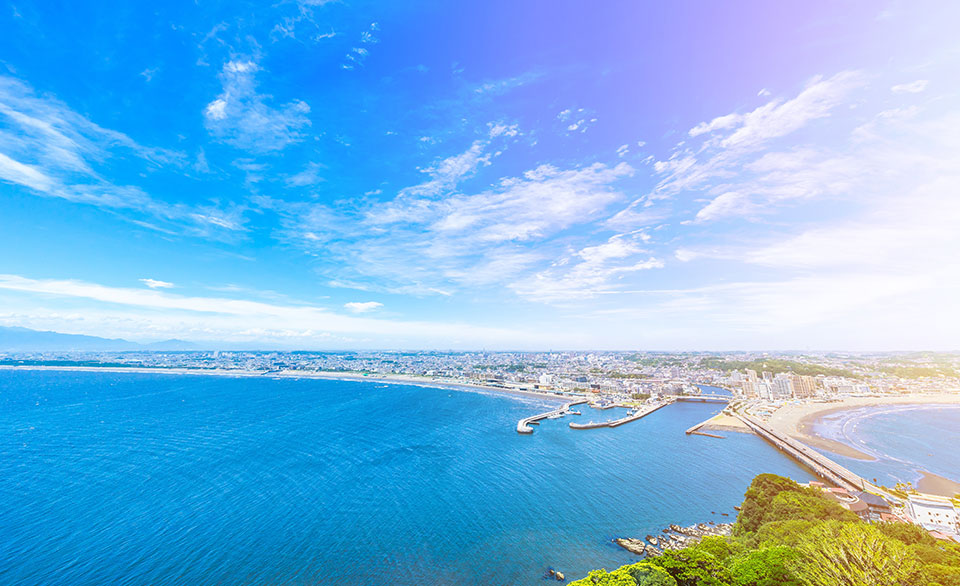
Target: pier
{"points": [[822, 466], [618, 422], [695, 430], [523, 426]]}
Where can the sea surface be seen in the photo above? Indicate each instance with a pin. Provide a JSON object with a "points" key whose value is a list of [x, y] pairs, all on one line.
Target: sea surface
{"points": [[904, 440], [116, 478]]}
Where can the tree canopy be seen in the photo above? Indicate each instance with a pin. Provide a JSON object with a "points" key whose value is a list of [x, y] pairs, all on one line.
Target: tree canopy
{"points": [[790, 535]]}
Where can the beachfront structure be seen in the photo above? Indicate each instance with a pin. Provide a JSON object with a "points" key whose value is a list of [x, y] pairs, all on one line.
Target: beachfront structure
{"points": [[935, 513]]}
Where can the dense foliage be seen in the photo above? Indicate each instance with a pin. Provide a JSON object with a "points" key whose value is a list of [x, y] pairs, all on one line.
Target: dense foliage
{"points": [[790, 535], [776, 366]]}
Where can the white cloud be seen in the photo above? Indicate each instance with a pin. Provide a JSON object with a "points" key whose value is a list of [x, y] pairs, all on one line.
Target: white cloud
{"points": [[779, 118], [356, 56], [244, 118], [309, 176], [51, 150], [501, 129], [433, 237], [590, 271], [914, 87], [155, 284], [133, 313], [718, 123], [26, 175], [731, 203], [363, 306]]}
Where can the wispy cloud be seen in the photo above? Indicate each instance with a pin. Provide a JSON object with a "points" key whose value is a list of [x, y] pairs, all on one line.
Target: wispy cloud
{"points": [[434, 236], [734, 166], [55, 152], [245, 118], [155, 284], [914, 87], [590, 271], [362, 306], [578, 120], [133, 313], [357, 56]]}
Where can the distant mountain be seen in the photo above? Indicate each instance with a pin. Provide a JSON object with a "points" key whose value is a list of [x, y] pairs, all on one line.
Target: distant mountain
{"points": [[13, 339]]}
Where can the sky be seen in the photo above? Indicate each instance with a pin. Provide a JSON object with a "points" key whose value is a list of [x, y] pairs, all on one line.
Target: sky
{"points": [[628, 175]]}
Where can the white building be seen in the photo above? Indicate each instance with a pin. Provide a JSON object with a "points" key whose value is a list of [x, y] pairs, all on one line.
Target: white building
{"points": [[934, 512]]}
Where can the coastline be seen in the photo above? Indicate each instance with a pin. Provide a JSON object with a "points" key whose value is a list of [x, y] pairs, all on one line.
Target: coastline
{"points": [[395, 379], [932, 484], [799, 420]]}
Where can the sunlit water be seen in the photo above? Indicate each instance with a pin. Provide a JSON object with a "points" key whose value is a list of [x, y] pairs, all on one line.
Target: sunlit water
{"points": [[904, 440], [165, 479]]}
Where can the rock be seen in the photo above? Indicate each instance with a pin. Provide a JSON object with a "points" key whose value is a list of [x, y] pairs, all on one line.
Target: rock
{"points": [[636, 546]]}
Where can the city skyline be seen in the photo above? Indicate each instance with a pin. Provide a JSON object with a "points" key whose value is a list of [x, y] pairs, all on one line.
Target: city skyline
{"points": [[353, 175]]}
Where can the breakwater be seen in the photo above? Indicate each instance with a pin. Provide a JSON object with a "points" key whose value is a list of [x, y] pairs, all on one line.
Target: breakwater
{"points": [[618, 422], [523, 426]]}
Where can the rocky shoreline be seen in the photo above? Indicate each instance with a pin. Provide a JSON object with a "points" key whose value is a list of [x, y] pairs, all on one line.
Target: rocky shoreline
{"points": [[674, 537]]}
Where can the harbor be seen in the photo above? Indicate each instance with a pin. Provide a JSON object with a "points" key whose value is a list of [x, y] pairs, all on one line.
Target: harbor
{"points": [[523, 426]]}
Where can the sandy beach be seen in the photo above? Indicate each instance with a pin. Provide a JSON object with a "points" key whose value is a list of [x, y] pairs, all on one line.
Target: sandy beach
{"points": [[798, 420], [723, 422]]}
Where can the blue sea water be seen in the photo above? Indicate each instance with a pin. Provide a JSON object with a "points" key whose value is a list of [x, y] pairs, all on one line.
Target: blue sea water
{"points": [[904, 440], [164, 479]]}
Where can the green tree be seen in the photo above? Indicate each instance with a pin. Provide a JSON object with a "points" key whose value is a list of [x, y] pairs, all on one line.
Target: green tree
{"points": [[617, 577], [758, 499], [693, 567], [907, 533], [648, 574], [942, 574], [808, 506], [835, 553], [717, 546], [774, 498], [788, 533], [765, 567]]}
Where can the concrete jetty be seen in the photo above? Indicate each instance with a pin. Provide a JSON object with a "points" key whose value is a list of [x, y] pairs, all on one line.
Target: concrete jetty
{"points": [[822, 466], [618, 422], [523, 426]]}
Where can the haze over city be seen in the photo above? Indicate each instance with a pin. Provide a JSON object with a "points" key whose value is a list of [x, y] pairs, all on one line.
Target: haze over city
{"points": [[419, 175]]}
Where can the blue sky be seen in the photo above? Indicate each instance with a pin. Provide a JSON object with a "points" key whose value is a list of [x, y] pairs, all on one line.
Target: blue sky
{"points": [[503, 175]]}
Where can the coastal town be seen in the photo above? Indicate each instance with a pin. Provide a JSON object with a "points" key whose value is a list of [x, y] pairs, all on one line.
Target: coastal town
{"points": [[618, 375], [771, 395]]}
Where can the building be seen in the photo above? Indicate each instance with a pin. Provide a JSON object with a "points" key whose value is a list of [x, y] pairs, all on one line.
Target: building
{"points": [[804, 386], [783, 386], [877, 506], [935, 513]]}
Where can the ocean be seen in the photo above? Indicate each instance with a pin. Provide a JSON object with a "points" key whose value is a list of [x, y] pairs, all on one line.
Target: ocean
{"points": [[904, 440], [159, 479]]}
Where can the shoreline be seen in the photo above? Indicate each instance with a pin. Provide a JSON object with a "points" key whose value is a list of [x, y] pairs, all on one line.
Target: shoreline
{"points": [[394, 379], [800, 420], [932, 484]]}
